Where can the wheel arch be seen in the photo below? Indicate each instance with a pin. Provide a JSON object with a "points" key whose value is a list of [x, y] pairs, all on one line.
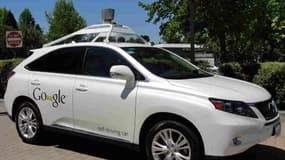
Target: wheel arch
{"points": [[18, 101], [157, 117]]}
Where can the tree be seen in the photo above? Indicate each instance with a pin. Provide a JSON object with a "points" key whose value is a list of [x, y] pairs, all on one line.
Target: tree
{"points": [[226, 22], [277, 8], [63, 20], [177, 20], [173, 15], [7, 18], [11, 21], [32, 32], [26, 19], [236, 30], [146, 38]]}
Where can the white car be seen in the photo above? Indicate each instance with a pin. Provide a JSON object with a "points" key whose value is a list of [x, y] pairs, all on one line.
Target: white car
{"points": [[138, 95]]}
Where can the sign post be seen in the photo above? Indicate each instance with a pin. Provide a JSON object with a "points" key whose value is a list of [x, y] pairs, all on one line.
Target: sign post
{"points": [[14, 39]]}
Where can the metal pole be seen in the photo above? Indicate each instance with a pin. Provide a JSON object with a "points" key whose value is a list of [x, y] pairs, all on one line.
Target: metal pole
{"points": [[192, 33]]}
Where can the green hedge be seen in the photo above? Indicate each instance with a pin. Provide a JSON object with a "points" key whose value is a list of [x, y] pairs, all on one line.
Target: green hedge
{"points": [[271, 76], [232, 69], [250, 70], [6, 66]]}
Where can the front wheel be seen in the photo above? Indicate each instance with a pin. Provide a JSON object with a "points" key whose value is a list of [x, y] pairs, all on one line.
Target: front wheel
{"points": [[28, 123], [172, 140]]}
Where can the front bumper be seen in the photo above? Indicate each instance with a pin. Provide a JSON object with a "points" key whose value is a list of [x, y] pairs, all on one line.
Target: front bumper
{"points": [[246, 137], [233, 134]]}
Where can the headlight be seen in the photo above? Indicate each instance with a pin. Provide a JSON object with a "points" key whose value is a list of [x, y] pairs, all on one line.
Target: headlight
{"points": [[234, 107]]}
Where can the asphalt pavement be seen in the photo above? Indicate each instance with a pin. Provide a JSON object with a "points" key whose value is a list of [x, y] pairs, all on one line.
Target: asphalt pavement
{"points": [[63, 147]]}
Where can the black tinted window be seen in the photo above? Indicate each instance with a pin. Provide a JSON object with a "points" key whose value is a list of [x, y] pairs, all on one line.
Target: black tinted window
{"points": [[100, 60], [164, 64], [68, 60]]}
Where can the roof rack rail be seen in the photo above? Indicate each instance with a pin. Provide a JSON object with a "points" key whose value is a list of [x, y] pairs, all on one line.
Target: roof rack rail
{"points": [[100, 33]]}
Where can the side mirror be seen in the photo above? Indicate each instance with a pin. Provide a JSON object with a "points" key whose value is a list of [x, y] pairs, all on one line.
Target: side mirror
{"points": [[123, 72]]}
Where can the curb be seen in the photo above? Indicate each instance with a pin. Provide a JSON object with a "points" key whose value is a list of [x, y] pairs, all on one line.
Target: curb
{"points": [[282, 112], [2, 103]]}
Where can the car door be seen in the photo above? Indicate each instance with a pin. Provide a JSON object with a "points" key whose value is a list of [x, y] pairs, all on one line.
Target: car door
{"points": [[103, 105], [51, 84]]}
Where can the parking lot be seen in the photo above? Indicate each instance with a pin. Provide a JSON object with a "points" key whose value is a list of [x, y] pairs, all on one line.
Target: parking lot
{"points": [[62, 147]]}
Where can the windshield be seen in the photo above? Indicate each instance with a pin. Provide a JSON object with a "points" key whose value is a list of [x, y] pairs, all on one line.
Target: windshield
{"points": [[164, 64]]}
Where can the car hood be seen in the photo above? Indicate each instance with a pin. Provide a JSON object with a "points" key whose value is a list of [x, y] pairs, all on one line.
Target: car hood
{"points": [[224, 88]]}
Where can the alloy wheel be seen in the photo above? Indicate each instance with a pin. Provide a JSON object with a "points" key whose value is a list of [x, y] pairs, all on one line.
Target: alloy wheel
{"points": [[170, 144], [27, 122]]}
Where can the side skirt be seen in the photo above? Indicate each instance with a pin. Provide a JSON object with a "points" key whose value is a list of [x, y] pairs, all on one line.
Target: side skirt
{"points": [[92, 136]]}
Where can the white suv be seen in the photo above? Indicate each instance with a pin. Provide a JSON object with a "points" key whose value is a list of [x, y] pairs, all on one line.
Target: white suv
{"points": [[139, 95]]}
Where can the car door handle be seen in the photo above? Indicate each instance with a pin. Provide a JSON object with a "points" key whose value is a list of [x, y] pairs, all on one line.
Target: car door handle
{"points": [[36, 83], [81, 88]]}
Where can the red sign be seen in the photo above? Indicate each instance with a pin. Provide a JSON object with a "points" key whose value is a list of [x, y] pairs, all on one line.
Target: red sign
{"points": [[14, 39]]}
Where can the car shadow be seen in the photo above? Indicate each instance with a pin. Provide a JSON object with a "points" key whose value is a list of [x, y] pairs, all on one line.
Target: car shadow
{"points": [[90, 147], [113, 152], [261, 152]]}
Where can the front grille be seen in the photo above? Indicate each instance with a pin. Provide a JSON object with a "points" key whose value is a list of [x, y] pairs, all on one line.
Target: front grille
{"points": [[267, 108]]}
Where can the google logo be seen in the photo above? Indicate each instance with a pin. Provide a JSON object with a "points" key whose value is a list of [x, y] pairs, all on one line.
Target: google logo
{"points": [[56, 98]]}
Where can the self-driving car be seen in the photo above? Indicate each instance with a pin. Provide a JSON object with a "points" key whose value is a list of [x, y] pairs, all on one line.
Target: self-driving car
{"points": [[138, 95]]}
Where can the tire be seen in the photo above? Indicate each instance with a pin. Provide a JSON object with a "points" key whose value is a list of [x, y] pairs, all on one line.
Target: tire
{"points": [[173, 139], [29, 123]]}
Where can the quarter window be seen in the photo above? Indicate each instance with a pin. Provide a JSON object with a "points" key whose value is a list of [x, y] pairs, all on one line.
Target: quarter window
{"points": [[68, 60]]}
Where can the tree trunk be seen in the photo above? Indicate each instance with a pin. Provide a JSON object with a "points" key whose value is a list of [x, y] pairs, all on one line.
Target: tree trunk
{"points": [[222, 40]]}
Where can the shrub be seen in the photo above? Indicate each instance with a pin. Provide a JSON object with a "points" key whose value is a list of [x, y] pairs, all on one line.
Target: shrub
{"points": [[250, 70], [204, 65], [271, 76], [232, 69], [5, 67]]}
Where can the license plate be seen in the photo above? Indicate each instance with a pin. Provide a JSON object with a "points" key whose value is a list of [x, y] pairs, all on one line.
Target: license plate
{"points": [[276, 130]]}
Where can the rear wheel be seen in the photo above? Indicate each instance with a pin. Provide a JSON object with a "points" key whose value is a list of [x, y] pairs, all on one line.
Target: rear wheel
{"points": [[171, 140], [28, 122]]}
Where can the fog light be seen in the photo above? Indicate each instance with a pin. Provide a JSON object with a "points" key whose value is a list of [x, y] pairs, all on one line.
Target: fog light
{"points": [[236, 141]]}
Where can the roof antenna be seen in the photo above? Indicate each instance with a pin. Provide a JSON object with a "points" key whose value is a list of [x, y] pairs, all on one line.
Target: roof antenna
{"points": [[108, 15]]}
